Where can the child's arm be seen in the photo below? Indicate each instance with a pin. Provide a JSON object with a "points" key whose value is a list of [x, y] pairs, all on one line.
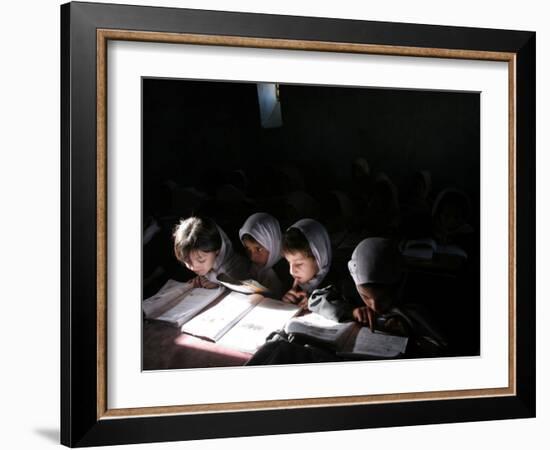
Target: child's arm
{"points": [[331, 304]]}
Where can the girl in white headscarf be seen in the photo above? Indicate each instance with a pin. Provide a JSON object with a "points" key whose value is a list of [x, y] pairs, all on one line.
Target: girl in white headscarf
{"points": [[377, 269], [203, 247], [261, 236], [306, 247]]}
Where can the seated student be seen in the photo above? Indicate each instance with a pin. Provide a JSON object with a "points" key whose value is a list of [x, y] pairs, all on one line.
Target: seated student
{"points": [[306, 247], [450, 214], [203, 247], [377, 270], [261, 236], [417, 215], [382, 213]]}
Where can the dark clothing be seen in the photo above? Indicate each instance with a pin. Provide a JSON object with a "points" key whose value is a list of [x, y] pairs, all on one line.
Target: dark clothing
{"points": [[404, 320]]}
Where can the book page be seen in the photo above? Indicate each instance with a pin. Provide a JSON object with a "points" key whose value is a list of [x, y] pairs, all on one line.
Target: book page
{"points": [[242, 286], [379, 344], [190, 304], [213, 323], [319, 328], [167, 296], [253, 329]]}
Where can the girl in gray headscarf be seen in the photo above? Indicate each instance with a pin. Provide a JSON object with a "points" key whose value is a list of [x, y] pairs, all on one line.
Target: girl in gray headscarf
{"points": [[306, 247], [261, 236]]}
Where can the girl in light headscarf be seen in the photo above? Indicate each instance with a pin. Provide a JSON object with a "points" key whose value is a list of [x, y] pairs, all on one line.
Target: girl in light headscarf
{"points": [[261, 236], [203, 247], [306, 247]]}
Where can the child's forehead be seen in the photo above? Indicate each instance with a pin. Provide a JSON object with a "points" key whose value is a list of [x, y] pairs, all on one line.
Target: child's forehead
{"points": [[197, 253], [251, 242], [298, 255]]}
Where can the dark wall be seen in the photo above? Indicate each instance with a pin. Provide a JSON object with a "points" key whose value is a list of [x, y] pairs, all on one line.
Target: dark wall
{"points": [[195, 131]]}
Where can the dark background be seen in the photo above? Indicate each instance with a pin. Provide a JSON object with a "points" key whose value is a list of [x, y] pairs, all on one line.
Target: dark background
{"points": [[197, 134]]}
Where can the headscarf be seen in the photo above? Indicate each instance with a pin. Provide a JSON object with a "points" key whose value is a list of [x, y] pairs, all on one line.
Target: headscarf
{"points": [[227, 261], [376, 260], [319, 242], [265, 229]]}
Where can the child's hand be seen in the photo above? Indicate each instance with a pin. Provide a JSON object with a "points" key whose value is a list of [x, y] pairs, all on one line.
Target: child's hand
{"points": [[295, 295], [365, 315], [203, 282], [196, 282]]}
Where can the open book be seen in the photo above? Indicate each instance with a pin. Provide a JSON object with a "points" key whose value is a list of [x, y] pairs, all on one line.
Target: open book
{"points": [[317, 328], [233, 319], [243, 286], [345, 338], [177, 302], [241, 321]]}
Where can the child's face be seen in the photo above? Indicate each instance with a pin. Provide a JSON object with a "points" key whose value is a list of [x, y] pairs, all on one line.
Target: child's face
{"points": [[302, 267], [256, 252], [201, 262], [377, 298]]}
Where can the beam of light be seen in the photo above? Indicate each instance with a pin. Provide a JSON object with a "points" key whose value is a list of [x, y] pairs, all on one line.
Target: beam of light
{"points": [[270, 106]]}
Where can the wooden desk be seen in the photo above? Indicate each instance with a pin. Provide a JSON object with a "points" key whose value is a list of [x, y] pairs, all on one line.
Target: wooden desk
{"points": [[166, 347]]}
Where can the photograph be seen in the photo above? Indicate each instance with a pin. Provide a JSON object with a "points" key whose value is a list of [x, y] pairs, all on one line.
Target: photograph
{"points": [[299, 223]]}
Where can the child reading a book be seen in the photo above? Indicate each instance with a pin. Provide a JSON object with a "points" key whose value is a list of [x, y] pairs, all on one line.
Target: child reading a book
{"points": [[306, 247], [204, 248], [377, 270], [261, 236], [376, 267]]}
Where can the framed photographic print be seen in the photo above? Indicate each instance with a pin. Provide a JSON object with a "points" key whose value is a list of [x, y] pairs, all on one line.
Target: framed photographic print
{"points": [[278, 224]]}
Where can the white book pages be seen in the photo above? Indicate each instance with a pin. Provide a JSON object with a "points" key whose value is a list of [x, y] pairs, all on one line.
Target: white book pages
{"points": [[164, 298], [242, 286], [379, 344], [190, 304], [213, 323], [252, 330], [319, 328]]}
